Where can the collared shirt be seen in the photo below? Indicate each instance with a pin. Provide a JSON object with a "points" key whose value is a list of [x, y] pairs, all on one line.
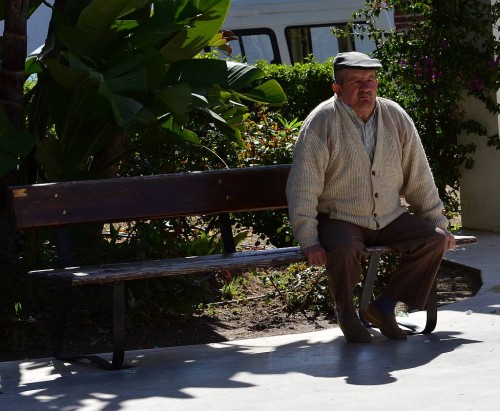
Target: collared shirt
{"points": [[367, 129]]}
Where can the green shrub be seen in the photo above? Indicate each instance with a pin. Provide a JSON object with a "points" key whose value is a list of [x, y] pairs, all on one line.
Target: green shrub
{"points": [[305, 85]]}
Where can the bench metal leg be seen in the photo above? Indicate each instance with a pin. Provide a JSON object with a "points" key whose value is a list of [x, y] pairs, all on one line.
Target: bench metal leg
{"points": [[367, 292], [118, 332], [431, 320], [371, 276], [431, 310], [118, 325], [63, 298], [118, 335]]}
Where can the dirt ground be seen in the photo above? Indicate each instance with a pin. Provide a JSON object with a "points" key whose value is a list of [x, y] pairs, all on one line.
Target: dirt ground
{"points": [[249, 317]]}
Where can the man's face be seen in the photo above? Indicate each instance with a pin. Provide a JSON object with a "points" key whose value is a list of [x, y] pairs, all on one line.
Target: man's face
{"points": [[358, 89]]}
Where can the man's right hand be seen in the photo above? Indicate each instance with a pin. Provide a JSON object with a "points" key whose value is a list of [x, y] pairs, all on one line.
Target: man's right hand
{"points": [[316, 254]]}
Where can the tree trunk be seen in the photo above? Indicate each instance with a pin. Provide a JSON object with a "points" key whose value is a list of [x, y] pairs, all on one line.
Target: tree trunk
{"points": [[12, 74]]}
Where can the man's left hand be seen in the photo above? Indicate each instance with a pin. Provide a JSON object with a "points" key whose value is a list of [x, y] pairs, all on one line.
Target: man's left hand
{"points": [[451, 242]]}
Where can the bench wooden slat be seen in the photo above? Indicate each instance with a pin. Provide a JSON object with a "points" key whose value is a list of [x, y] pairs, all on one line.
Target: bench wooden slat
{"points": [[460, 240], [150, 197], [171, 267], [110, 273], [465, 239]]}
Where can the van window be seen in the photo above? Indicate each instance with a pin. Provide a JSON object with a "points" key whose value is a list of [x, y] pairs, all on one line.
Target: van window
{"points": [[256, 44], [320, 42], [324, 43], [364, 45]]}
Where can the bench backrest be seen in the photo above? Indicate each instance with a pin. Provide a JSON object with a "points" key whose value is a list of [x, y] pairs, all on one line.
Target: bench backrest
{"points": [[56, 205]]}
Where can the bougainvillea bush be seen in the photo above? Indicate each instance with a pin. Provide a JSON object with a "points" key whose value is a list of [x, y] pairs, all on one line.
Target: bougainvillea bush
{"points": [[446, 52]]}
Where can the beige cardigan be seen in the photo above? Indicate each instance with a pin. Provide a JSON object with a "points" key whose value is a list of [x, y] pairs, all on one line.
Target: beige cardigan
{"points": [[332, 174]]}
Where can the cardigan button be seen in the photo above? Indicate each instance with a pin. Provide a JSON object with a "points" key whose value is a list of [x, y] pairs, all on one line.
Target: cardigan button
{"points": [[373, 172], [375, 195]]}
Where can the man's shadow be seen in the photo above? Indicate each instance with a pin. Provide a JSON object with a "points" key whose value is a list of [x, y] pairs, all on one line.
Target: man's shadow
{"points": [[358, 364], [175, 371], [376, 363]]}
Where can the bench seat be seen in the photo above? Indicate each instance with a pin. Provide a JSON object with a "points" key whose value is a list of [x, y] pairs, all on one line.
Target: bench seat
{"points": [[111, 273]]}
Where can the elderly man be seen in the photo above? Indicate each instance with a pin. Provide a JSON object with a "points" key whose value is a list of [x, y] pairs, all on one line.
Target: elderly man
{"points": [[355, 154]]}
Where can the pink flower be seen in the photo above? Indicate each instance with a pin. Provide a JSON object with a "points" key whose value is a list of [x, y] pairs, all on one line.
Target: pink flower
{"points": [[476, 85]]}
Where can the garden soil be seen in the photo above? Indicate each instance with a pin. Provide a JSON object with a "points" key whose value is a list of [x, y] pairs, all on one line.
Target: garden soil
{"points": [[250, 317]]}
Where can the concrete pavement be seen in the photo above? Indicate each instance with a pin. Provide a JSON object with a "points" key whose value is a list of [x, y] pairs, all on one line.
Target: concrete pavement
{"points": [[457, 367]]}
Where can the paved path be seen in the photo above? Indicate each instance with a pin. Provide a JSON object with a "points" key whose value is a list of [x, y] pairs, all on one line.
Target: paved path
{"points": [[455, 368]]}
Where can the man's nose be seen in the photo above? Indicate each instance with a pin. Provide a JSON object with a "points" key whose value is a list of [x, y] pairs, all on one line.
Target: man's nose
{"points": [[365, 85]]}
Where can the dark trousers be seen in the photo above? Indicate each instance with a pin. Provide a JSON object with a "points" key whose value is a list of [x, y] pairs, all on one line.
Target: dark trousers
{"points": [[422, 246]]}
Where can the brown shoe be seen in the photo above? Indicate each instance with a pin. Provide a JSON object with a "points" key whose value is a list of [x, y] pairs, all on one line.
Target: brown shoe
{"points": [[354, 331], [386, 324]]}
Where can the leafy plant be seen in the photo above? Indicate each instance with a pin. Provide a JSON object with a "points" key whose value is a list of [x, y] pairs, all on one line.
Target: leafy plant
{"points": [[115, 68], [299, 287], [233, 289]]}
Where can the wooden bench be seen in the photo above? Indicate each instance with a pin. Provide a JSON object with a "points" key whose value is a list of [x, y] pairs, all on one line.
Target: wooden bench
{"points": [[220, 192]]}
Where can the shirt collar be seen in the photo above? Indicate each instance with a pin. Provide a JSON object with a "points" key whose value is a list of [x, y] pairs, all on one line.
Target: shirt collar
{"points": [[353, 114]]}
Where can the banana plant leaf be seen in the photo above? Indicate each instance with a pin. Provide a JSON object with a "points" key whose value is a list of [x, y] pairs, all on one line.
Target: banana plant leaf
{"points": [[114, 66]]}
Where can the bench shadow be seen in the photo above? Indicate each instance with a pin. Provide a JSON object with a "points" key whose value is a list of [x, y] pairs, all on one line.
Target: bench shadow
{"points": [[173, 372]]}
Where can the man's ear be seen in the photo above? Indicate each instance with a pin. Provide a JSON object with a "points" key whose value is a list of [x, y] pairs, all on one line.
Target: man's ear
{"points": [[336, 88]]}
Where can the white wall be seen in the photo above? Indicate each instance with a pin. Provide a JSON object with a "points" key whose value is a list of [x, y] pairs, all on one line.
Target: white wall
{"points": [[480, 187]]}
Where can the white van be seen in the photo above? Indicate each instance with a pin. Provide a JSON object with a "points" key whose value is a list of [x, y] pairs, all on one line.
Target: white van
{"points": [[287, 31]]}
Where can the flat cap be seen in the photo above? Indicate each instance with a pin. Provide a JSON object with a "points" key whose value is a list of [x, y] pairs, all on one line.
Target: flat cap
{"points": [[356, 60]]}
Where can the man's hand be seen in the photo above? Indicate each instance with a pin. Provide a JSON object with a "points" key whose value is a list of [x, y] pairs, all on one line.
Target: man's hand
{"points": [[316, 254], [451, 243]]}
